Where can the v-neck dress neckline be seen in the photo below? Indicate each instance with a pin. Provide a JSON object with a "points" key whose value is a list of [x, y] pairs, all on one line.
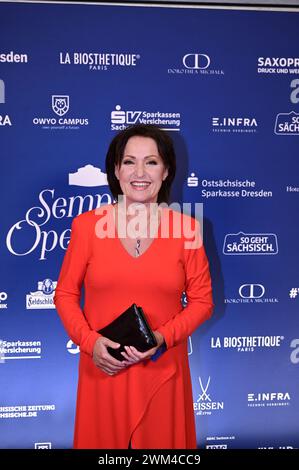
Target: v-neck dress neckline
{"points": [[149, 248]]}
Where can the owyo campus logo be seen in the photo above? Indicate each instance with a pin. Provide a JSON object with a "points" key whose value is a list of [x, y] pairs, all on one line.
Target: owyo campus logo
{"points": [[60, 104]]}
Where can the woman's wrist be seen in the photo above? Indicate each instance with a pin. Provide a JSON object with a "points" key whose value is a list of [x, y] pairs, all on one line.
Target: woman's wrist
{"points": [[159, 337]]}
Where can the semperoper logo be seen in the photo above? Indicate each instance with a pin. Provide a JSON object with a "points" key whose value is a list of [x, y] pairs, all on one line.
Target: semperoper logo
{"points": [[43, 298], [287, 124], [60, 104]]}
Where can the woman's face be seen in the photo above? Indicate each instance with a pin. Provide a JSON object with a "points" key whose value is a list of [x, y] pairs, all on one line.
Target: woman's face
{"points": [[141, 171]]}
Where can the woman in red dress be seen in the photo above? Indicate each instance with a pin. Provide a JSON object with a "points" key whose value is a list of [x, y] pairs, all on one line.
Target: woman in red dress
{"points": [[136, 402]]}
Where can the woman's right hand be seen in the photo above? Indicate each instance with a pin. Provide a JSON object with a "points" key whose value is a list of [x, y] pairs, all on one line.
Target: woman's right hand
{"points": [[104, 360]]}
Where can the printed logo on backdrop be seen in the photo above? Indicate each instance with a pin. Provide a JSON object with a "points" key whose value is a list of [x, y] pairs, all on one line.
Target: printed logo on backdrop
{"points": [[25, 411], [294, 96], [88, 176], [278, 65], [19, 349], [44, 296], [165, 120], [43, 445], [234, 125], [246, 343], [29, 235], [217, 444], [72, 348], [60, 105], [266, 399], [13, 58], [227, 188], [2, 353], [251, 294], [2, 92], [242, 243], [292, 189], [287, 124], [204, 404], [3, 299], [280, 447], [195, 63], [4, 118], [98, 60], [294, 357], [294, 293]]}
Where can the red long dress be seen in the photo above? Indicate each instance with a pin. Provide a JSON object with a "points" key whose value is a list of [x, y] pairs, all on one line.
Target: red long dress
{"points": [[150, 402]]}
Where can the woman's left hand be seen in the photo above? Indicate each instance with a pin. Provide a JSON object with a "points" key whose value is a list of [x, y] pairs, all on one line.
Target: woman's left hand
{"points": [[132, 355]]}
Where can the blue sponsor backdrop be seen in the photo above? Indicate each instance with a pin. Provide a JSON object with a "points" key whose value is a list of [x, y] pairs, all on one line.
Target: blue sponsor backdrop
{"points": [[223, 82]]}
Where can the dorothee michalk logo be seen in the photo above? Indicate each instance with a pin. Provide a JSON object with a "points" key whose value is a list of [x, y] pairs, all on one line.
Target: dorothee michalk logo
{"points": [[195, 63]]}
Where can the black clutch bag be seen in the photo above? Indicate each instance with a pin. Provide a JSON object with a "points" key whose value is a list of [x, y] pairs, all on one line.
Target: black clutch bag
{"points": [[130, 328]]}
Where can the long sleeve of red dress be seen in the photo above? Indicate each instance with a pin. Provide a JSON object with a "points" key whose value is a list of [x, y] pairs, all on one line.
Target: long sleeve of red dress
{"points": [[198, 291], [68, 292]]}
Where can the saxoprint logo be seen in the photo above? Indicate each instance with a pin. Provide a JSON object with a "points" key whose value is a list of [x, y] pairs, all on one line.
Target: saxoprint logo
{"points": [[250, 244], [234, 125], [99, 61], [60, 105], [265, 399], [278, 65], [204, 404], [195, 63], [287, 124], [43, 297], [249, 294], [121, 119]]}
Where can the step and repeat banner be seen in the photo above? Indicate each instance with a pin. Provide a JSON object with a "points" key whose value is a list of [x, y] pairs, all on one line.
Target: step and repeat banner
{"points": [[225, 85]]}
